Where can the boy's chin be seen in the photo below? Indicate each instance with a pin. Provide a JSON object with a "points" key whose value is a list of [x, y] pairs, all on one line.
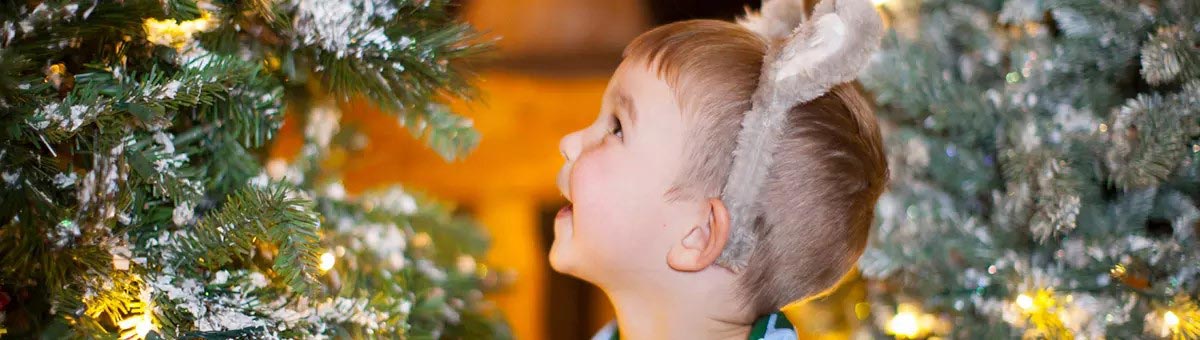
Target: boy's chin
{"points": [[560, 258], [563, 257]]}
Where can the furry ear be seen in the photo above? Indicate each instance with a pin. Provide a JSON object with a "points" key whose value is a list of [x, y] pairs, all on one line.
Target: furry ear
{"points": [[827, 50], [777, 19]]}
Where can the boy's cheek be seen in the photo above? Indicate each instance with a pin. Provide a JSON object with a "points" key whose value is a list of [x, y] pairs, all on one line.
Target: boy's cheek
{"points": [[593, 191], [604, 197], [592, 178]]}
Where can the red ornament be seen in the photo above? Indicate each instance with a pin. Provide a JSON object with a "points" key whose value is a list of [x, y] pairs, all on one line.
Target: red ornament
{"points": [[4, 300]]}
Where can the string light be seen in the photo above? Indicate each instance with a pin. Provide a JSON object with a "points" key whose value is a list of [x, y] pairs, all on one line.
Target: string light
{"points": [[1179, 320], [862, 310], [1118, 270], [141, 320], [327, 261], [1025, 302], [1044, 310], [1171, 320], [466, 264], [174, 33], [910, 323], [904, 324], [421, 240], [1012, 77]]}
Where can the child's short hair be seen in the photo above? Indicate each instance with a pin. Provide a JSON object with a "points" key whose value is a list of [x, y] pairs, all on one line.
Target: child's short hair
{"points": [[830, 165]]}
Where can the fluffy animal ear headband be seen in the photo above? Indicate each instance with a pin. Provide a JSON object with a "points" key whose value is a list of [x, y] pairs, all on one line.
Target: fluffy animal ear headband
{"points": [[806, 57]]}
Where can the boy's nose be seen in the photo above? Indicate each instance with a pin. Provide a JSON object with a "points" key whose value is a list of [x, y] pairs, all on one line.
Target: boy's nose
{"points": [[570, 146]]}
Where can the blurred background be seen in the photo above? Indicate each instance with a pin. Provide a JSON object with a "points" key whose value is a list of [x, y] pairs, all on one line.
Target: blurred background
{"points": [[545, 79]]}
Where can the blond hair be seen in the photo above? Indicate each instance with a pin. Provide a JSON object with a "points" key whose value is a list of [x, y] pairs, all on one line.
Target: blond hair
{"points": [[819, 197]]}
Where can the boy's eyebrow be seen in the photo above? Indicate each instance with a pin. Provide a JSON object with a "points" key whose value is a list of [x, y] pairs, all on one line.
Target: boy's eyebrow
{"points": [[624, 103]]}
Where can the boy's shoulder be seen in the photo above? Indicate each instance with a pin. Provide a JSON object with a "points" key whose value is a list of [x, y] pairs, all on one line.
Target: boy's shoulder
{"points": [[774, 326]]}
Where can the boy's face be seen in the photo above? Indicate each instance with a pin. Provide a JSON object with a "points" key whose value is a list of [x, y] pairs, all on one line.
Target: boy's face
{"points": [[617, 173]]}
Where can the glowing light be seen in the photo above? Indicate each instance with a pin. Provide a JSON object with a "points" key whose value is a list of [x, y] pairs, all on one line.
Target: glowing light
{"points": [[466, 264], [1025, 302], [910, 323], [421, 240], [1171, 320], [878, 3], [140, 322], [327, 261], [174, 33], [1012, 77], [1119, 270], [1178, 319], [276, 168], [904, 324], [862, 310], [1045, 312]]}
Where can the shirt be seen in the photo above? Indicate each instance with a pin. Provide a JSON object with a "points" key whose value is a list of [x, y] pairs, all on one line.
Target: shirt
{"points": [[770, 327]]}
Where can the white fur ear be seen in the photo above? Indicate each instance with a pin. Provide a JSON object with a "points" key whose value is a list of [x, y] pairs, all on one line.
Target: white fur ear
{"points": [[827, 38], [777, 19], [828, 50], [820, 53]]}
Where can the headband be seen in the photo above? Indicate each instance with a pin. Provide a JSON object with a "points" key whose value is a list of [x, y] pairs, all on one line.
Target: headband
{"points": [[805, 59]]}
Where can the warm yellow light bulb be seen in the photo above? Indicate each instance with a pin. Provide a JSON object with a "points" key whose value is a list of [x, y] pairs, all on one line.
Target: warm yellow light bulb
{"points": [[327, 261], [1171, 320], [1025, 302], [174, 33], [137, 326], [904, 324]]}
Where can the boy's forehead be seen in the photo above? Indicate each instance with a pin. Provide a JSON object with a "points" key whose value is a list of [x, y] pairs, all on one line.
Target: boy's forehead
{"points": [[635, 82]]}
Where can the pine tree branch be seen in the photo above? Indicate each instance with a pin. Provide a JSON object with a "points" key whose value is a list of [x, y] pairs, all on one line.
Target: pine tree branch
{"points": [[267, 215]]}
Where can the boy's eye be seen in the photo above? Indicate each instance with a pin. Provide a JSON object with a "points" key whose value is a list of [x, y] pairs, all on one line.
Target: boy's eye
{"points": [[616, 129]]}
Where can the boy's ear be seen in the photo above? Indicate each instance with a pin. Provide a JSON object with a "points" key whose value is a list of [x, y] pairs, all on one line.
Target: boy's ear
{"points": [[703, 243]]}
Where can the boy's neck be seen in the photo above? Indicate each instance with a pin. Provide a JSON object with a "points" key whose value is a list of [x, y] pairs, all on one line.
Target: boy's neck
{"points": [[694, 312]]}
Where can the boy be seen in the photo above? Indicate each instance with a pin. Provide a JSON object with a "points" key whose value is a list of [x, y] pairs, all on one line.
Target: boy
{"points": [[732, 170]]}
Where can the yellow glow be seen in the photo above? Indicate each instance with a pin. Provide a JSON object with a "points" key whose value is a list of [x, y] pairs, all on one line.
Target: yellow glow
{"points": [[1117, 271], [138, 325], [862, 310], [171, 32], [421, 240], [58, 69], [1171, 320], [1025, 302], [327, 261], [905, 324], [1045, 312]]}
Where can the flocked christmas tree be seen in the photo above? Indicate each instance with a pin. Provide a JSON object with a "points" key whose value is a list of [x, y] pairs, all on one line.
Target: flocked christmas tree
{"points": [[135, 201], [1046, 170]]}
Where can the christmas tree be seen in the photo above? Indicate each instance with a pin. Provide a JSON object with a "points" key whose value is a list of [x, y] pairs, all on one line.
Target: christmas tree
{"points": [[135, 201], [1046, 170]]}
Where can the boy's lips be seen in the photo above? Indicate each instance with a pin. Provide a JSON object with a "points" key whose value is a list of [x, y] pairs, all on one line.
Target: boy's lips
{"points": [[563, 225], [565, 211]]}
